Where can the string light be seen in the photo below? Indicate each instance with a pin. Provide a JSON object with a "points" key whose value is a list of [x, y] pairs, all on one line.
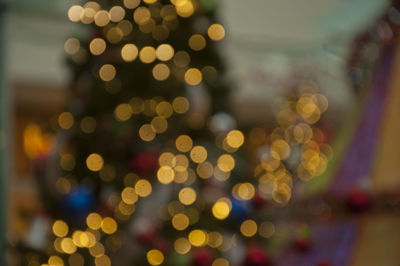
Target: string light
{"points": [[164, 52], [60, 228], [180, 221], [155, 257], [72, 46], [108, 225], [184, 143], [198, 154], [97, 46], [65, 120], [187, 196], [193, 76], [93, 221], [143, 188], [94, 162], [147, 54], [107, 72], [216, 32], [248, 228], [197, 42], [185, 163], [182, 245], [197, 238], [102, 18], [220, 210]]}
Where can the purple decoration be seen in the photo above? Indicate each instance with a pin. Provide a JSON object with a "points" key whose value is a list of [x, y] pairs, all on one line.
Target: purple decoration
{"points": [[357, 161], [333, 242]]}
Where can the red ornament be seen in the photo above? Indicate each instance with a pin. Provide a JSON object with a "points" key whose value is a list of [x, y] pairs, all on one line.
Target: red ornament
{"points": [[258, 201], [147, 237], [39, 164], [256, 257], [324, 263], [161, 244], [144, 162], [203, 257], [303, 244], [358, 201]]}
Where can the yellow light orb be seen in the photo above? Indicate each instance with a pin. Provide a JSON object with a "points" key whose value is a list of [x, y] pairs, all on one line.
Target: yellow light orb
{"points": [[102, 18], [165, 175], [117, 14], [68, 246], [65, 120], [75, 12], [180, 221], [93, 221], [107, 72], [155, 257], [97, 250], [123, 112], [141, 15], [126, 27], [129, 52], [245, 191], [184, 143], [72, 46], [147, 132], [235, 138], [94, 162], [60, 228], [193, 76], [198, 154], [215, 239], [248, 228], [184, 8], [143, 188], [131, 4], [129, 196], [164, 109], [182, 162], [226, 162], [88, 124], [161, 72], [187, 196], [205, 170], [114, 35], [147, 54], [108, 225], [180, 105], [216, 32], [266, 229], [182, 59], [197, 42], [102, 260], [137, 105], [97, 46], [164, 52], [55, 261], [167, 159], [182, 246], [221, 210], [197, 238], [159, 124], [220, 262], [280, 149]]}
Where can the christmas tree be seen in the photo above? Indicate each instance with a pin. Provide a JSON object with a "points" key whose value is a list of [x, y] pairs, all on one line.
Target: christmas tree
{"points": [[149, 164]]}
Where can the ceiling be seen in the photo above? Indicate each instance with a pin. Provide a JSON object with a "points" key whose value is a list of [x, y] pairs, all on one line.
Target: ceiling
{"points": [[268, 42]]}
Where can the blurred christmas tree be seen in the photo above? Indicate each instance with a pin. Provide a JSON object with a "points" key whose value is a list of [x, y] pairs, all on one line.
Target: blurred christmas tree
{"points": [[149, 165]]}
